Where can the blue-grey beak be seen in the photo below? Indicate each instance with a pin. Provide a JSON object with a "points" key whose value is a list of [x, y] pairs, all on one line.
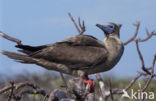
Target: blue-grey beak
{"points": [[103, 28]]}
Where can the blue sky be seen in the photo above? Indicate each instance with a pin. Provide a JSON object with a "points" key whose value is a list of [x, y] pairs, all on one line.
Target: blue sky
{"points": [[38, 22]]}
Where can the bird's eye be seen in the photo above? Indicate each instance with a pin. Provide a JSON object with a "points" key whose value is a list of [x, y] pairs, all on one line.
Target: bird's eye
{"points": [[111, 26]]}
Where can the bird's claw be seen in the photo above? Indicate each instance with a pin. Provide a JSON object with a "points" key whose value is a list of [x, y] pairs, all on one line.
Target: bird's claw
{"points": [[90, 85]]}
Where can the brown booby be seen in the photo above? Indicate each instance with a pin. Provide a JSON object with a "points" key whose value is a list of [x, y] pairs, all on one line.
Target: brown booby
{"points": [[78, 55]]}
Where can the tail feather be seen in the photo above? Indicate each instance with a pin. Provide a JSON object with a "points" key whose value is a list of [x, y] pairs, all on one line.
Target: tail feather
{"points": [[19, 57], [31, 48], [41, 62]]}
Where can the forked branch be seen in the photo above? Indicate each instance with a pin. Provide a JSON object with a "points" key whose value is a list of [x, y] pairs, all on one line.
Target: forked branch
{"points": [[135, 34], [81, 25]]}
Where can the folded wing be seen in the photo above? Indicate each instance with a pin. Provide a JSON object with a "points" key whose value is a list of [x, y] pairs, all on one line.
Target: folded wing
{"points": [[78, 51]]}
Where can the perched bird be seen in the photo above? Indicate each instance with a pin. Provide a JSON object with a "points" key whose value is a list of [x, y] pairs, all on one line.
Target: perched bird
{"points": [[78, 55]]}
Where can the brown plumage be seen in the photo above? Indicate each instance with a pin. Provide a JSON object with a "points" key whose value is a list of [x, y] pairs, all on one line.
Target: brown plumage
{"points": [[78, 55]]}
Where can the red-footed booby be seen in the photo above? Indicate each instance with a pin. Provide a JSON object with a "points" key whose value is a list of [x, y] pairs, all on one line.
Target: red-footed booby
{"points": [[79, 55]]}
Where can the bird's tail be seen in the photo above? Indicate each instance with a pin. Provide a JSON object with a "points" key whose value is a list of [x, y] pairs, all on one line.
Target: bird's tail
{"points": [[19, 57], [41, 62]]}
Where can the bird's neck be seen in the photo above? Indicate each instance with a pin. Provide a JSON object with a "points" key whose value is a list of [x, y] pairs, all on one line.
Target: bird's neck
{"points": [[112, 41], [114, 46]]}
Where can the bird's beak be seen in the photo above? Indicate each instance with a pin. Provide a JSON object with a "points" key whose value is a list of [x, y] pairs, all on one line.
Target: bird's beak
{"points": [[105, 29]]}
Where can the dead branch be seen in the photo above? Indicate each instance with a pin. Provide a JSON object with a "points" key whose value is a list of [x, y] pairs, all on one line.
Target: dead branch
{"points": [[66, 86], [29, 91], [120, 91], [18, 86], [151, 76], [141, 59], [12, 89], [33, 89], [74, 22], [133, 81], [82, 26], [135, 34], [110, 89], [148, 36], [10, 38]]}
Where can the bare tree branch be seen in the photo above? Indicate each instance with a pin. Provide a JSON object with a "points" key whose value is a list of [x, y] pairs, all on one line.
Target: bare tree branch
{"points": [[82, 26], [151, 76], [148, 36], [141, 59], [74, 22], [110, 89], [29, 91], [135, 34], [18, 86], [10, 38], [12, 90]]}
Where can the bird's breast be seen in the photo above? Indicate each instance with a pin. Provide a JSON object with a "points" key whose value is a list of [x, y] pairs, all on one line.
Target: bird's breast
{"points": [[115, 51], [114, 56]]}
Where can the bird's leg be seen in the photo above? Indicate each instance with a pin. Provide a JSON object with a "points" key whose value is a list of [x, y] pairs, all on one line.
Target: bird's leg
{"points": [[89, 84], [66, 86], [64, 81]]}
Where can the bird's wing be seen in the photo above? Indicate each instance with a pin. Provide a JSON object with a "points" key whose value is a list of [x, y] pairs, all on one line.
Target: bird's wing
{"points": [[78, 51], [82, 40]]}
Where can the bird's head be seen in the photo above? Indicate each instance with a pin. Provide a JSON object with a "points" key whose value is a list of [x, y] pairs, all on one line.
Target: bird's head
{"points": [[110, 29]]}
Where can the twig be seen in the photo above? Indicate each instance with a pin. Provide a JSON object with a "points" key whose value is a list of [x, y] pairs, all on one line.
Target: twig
{"points": [[18, 86], [135, 34], [11, 38], [82, 26], [110, 89], [52, 96], [45, 97], [133, 81], [130, 84], [141, 58], [34, 89], [148, 37], [62, 77], [147, 83], [58, 95], [30, 91], [151, 76], [153, 64], [12, 90], [74, 22], [117, 91]]}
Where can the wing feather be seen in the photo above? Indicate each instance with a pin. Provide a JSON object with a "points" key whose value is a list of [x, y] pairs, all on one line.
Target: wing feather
{"points": [[78, 51]]}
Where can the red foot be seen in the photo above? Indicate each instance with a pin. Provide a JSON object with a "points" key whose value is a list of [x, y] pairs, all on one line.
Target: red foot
{"points": [[90, 83]]}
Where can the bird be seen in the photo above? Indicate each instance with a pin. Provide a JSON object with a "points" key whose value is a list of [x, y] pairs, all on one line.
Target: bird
{"points": [[79, 55]]}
